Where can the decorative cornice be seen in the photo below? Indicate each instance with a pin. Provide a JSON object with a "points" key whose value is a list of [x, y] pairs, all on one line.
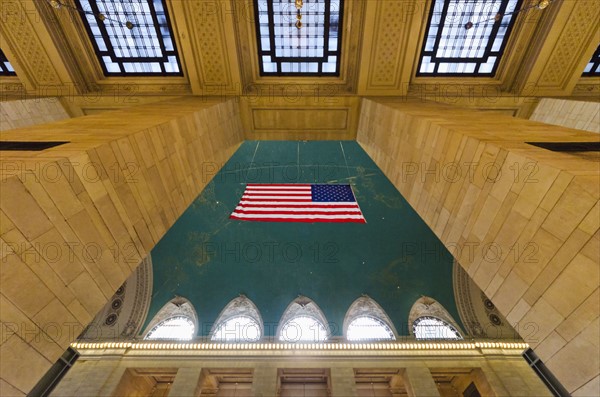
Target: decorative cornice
{"points": [[29, 57]]}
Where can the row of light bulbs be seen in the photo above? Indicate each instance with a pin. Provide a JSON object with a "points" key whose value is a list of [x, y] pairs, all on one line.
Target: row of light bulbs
{"points": [[301, 346]]}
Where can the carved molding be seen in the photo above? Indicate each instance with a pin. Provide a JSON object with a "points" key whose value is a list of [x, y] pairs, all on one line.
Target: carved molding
{"points": [[571, 46], [390, 45], [124, 314], [206, 35], [563, 44], [478, 314], [23, 46]]}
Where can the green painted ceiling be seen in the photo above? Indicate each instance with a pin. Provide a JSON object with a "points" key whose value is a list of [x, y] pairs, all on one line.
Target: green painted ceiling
{"points": [[209, 259]]}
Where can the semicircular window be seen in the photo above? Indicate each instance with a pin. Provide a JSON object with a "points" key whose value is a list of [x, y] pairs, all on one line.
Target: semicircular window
{"points": [[174, 328], [303, 329], [427, 327], [369, 328], [237, 329]]}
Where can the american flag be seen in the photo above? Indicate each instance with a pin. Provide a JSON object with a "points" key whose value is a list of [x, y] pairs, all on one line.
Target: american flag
{"points": [[298, 203]]}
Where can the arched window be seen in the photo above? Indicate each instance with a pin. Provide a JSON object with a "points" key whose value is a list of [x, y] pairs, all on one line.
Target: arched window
{"points": [[427, 327], [303, 329], [303, 321], [239, 321], [428, 319], [367, 321], [174, 328], [176, 320], [368, 328]]}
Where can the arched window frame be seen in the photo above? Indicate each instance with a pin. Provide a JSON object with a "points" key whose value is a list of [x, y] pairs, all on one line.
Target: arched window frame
{"points": [[429, 307], [176, 307], [450, 327], [303, 307], [365, 306], [165, 323], [238, 307]]}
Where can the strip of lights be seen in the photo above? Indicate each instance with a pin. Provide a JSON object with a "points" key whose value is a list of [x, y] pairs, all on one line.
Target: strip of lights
{"points": [[299, 346]]}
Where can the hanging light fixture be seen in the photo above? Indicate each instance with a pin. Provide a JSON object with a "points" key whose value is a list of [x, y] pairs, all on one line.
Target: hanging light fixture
{"points": [[56, 4], [298, 4], [541, 4]]}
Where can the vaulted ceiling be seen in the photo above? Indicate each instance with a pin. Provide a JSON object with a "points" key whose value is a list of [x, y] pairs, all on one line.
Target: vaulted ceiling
{"points": [[545, 55]]}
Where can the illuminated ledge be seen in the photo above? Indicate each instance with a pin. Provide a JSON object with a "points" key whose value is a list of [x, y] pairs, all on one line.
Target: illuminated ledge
{"points": [[167, 345]]}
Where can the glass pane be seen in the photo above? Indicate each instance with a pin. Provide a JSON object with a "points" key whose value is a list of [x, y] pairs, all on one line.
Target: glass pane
{"points": [[303, 329], [369, 328], [450, 48], [434, 328], [146, 49], [296, 39], [175, 328], [237, 329]]}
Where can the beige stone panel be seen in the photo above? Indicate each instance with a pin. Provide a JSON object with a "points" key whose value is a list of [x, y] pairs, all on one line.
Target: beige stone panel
{"points": [[15, 323], [186, 382], [518, 311], [569, 211], [264, 382], [57, 253], [581, 317], [592, 248], [7, 390], [573, 285], [531, 256], [591, 223], [5, 223], [58, 323], [342, 382], [88, 293], [580, 371], [556, 190], [19, 281], [550, 345], [511, 290], [419, 382], [22, 209], [22, 366], [592, 388], [565, 255], [42, 256]]}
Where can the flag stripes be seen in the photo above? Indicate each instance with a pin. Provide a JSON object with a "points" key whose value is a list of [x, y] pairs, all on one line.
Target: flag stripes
{"points": [[298, 203]]}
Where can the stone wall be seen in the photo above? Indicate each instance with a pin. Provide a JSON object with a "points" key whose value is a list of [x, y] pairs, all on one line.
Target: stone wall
{"points": [[28, 112], [428, 372], [78, 218], [522, 221], [573, 114]]}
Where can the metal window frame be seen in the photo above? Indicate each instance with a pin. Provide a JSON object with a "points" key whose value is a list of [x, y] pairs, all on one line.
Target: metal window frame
{"points": [[279, 60], [3, 70], [479, 61], [595, 61], [121, 61]]}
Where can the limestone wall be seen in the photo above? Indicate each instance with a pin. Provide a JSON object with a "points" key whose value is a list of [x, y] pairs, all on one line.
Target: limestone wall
{"points": [[522, 221], [347, 373], [76, 219], [573, 114], [28, 112]]}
